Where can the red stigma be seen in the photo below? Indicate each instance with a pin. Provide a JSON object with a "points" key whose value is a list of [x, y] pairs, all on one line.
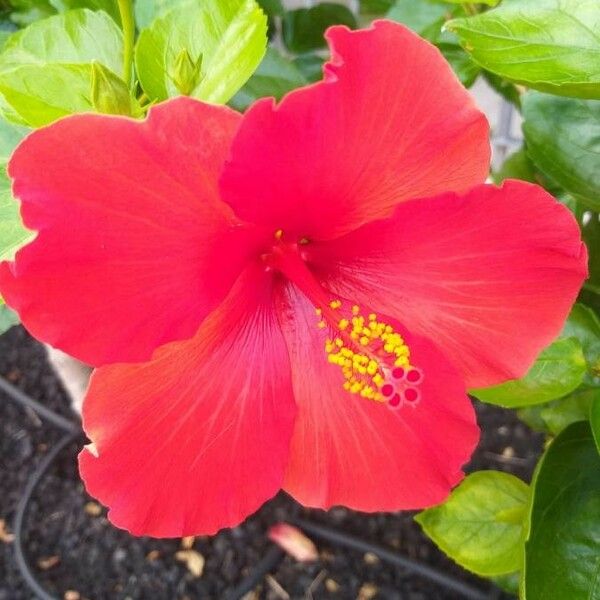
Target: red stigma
{"points": [[414, 376], [398, 373], [395, 401], [411, 395], [387, 390]]}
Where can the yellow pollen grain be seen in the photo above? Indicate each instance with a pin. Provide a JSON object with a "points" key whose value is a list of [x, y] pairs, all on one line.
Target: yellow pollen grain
{"points": [[279, 234]]}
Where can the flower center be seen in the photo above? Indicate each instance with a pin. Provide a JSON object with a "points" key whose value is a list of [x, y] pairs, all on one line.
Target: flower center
{"points": [[373, 358]]}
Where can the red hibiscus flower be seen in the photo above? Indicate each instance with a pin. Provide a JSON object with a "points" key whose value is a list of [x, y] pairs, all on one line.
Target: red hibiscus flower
{"points": [[313, 286]]}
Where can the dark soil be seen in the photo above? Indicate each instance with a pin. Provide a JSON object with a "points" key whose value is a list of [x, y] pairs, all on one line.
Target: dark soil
{"points": [[78, 555]]}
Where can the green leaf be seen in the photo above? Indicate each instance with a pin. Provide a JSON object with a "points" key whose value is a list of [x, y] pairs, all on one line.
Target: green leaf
{"points": [[462, 64], [509, 582], [517, 166], [25, 12], [46, 69], [563, 542], [590, 229], [41, 95], [10, 136], [559, 369], [424, 17], [76, 37], [531, 416], [275, 76], [487, 2], [109, 6], [375, 7], [13, 234], [8, 318], [303, 28], [563, 140], [273, 8], [520, 166], [585, 326], [147, 10], [310, 65], [4, 36], [480, 526], [229, 35], [549, 45], [554, 416], [595, 420]]}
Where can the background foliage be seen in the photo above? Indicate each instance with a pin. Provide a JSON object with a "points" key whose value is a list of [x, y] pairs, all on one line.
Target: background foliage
{"points": [[60, 57]]}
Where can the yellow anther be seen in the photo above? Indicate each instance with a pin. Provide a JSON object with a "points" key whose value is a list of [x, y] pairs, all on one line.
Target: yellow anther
{"points": [[365, 350], [318, 311], [279, 234]]}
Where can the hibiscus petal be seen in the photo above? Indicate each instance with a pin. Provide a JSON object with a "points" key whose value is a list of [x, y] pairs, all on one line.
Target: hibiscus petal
{"points": [[490, 276], [133, 242], [197, 438], [362, 453], [390, 122]]}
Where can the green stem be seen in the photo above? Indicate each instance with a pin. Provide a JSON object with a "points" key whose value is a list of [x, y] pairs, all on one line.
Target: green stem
{"points": [[128, 24]]}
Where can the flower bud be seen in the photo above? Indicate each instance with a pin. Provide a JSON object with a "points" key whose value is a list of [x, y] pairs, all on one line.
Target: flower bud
{"points": [[109, 94], [186, 73]]}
